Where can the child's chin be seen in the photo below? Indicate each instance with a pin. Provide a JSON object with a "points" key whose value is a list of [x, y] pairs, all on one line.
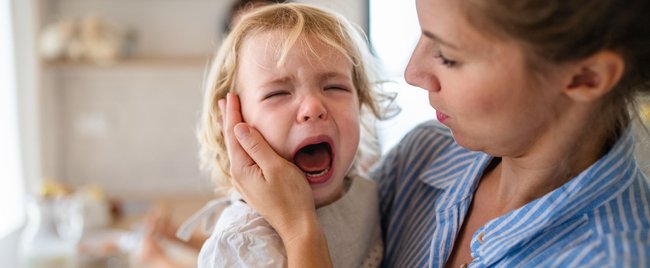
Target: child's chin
{"points": [[323, 202], [323, 199]]}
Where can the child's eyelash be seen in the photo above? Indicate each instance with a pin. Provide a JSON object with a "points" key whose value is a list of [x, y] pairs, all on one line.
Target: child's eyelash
{"points": [[444, 60], [274, 94], [337, 87]]}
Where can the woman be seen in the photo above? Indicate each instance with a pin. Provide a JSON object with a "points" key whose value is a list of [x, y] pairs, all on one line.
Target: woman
{"points": [[535, 166]]}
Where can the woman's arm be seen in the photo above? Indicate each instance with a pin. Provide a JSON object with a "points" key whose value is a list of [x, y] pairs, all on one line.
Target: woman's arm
{"points": [[307, 246], [275, 188]]}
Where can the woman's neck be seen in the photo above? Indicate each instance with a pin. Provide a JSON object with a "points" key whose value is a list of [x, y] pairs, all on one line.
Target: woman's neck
{"points": [[552, 161]]}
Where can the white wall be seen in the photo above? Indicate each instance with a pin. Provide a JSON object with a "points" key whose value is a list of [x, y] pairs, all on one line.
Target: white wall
{"points": [[19, 106], [27, 80]]}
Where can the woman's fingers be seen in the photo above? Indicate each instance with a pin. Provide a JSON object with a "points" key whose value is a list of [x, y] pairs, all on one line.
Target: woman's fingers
{"points": [[275, 187], [263, 156], [250, 155], [238, 157]]}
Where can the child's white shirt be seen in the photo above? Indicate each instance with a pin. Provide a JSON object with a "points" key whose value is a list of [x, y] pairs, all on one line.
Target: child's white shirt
{"points": [[243, 238]]}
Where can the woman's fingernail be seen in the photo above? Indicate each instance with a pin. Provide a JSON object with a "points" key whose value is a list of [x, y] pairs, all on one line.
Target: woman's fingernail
{"points": [[241, 131]]}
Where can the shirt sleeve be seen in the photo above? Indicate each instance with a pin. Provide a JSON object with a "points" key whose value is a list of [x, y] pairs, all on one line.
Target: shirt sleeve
{"points": [[259, 247]]}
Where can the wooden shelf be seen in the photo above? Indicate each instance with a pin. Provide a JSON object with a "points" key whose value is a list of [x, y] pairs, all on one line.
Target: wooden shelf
{"points": [[137, 62]]}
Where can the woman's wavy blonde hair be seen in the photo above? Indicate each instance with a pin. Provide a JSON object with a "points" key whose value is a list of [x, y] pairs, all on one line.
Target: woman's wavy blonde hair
{"points": [[302, 24]]}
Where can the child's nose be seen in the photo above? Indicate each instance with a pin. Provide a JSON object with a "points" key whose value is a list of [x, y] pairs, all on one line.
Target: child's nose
{"points": [[312, 108]]}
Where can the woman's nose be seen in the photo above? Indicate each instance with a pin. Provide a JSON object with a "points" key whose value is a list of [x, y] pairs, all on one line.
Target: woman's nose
{"points": [[312, 108], [420, 70]]}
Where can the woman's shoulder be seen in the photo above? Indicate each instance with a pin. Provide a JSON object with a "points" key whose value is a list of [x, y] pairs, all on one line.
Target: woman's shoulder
{"points": [[432, 129], [429, 140], [621, 225], [427, 153], [429, 133], [627, 208]]}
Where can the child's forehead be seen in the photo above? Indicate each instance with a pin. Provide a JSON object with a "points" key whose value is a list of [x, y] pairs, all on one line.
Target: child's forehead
{"points": [[261, 62], [279, 40], [272, 46]]}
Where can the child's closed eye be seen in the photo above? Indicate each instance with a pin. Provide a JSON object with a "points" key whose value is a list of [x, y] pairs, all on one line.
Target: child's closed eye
{"points": [[275, 93], [337, 88]]}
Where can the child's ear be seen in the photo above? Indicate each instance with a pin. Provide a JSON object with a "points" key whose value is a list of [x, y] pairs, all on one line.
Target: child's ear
{"points": [[592, 78]]}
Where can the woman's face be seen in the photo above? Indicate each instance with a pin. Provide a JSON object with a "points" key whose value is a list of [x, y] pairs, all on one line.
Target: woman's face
{"points": [[479, 86]]}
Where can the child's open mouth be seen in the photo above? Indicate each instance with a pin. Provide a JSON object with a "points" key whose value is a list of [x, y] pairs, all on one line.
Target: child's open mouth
{"points": [[315, 160]]}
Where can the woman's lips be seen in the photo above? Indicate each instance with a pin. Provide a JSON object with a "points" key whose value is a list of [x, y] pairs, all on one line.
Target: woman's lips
{"points": [[441, 117]]}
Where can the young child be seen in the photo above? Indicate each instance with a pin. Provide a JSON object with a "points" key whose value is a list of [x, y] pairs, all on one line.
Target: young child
{"points": [[303, 81]]}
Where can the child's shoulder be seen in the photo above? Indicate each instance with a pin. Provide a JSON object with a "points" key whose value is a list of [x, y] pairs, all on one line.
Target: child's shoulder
{"points": [[242, 238], [241, 218]]}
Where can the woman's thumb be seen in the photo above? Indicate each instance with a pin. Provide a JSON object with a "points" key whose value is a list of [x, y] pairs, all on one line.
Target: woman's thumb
{"points": [[241, 132], [255, 146]]}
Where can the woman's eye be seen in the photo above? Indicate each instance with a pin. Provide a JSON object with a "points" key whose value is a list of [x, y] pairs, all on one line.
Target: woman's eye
{"points": [[444, 60], [275, 94]]}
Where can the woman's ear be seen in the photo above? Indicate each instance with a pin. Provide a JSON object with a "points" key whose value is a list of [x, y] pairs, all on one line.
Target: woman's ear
{"points": [[592, 78]]}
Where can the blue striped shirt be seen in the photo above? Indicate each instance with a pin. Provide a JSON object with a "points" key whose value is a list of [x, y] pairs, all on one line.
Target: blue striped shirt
{"points": [[600, 218]]}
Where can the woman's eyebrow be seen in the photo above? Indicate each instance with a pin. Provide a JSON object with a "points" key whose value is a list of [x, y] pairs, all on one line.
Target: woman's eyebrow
{"points": [[438, 39]]}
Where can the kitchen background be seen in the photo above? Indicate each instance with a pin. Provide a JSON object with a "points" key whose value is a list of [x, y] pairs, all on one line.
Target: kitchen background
{"points": [[108, 96], [114, 125]]}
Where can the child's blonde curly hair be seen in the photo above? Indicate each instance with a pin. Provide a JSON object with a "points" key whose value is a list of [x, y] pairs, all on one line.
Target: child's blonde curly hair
{"points": [[299, 23]]}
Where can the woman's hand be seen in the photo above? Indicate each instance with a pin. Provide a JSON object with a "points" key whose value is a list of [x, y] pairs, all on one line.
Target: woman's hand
{"points": [[274, 187]]}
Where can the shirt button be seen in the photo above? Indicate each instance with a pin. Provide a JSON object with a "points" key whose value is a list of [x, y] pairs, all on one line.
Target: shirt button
{"points": [[480, 237]]}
